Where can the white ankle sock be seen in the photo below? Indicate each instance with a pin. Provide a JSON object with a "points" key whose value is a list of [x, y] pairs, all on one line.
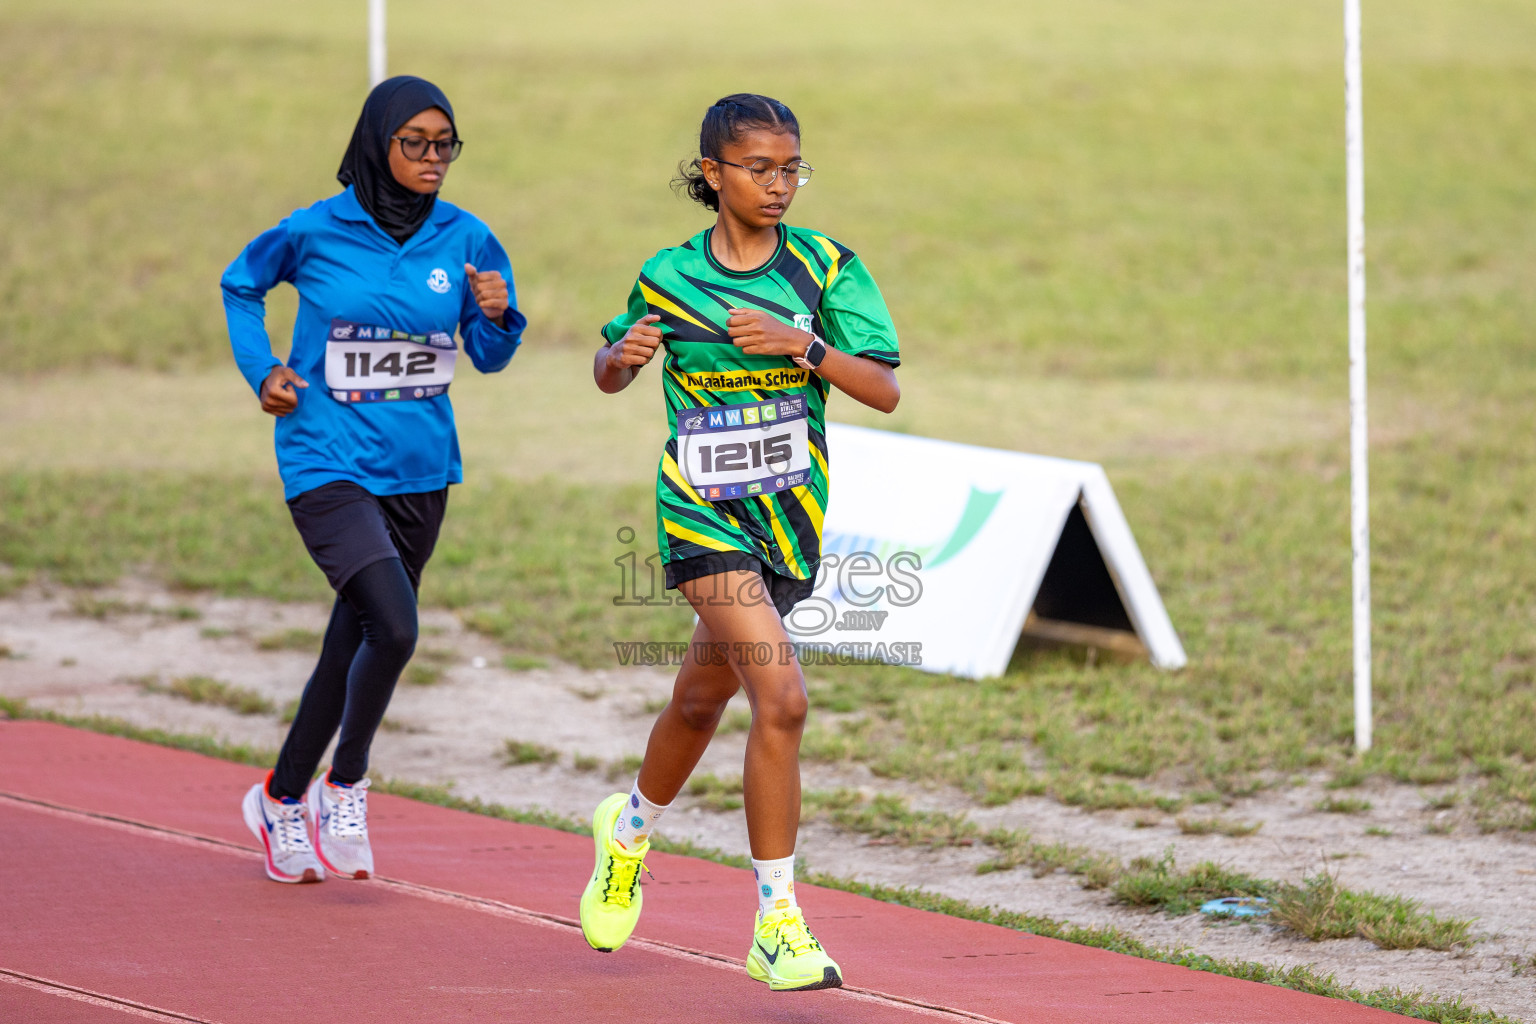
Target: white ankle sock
{"points": [[775, 883], [637, 819]]}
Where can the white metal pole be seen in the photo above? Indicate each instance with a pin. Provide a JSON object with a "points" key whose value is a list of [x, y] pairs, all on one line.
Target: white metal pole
{"points": [[376, 51], [1359, 490]]}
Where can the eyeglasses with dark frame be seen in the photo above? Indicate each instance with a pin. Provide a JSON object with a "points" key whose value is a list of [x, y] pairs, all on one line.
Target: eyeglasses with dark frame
{"points": [[765, 172], [414, 147]]}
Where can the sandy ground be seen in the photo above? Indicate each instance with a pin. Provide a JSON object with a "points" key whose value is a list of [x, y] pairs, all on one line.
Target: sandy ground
{"points": [[454, 732]]}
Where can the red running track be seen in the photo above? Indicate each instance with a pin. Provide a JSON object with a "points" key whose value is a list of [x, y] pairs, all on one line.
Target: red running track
{"points": [[131, 890]]}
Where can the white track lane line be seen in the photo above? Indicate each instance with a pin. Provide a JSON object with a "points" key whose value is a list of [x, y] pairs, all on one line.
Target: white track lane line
{"points": [[482, 904], [85, 995]]}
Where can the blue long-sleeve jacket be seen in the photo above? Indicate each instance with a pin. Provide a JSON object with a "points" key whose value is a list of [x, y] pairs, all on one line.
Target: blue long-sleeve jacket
{"points": [[345, 268]]}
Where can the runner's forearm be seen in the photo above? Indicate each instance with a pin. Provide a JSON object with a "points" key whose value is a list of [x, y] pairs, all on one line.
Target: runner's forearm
{"points": [[868, 381], [611, 379]]}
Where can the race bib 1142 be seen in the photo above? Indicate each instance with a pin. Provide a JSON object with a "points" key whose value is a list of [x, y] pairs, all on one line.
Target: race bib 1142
{"points": [[737, 451], [371, 363]]}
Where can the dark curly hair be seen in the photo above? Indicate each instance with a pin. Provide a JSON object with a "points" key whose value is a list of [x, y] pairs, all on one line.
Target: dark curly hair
{"points": [[725, 122]]}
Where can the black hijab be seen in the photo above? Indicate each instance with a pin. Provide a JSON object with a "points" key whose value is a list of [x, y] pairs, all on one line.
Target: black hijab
{"points": [[394, 101]]}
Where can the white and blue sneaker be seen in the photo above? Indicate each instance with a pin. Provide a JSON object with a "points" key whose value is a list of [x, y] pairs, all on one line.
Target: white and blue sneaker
{"points": [[339, 826], [282, 827]]}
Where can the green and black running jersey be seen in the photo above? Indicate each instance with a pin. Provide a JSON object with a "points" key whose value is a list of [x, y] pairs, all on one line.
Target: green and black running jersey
{"points": [[745, 464]]}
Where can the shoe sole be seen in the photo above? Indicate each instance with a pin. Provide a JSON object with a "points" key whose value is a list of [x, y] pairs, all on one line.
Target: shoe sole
{"points": [[313, 822], [597, 862], [251, 811], [830, 978]]}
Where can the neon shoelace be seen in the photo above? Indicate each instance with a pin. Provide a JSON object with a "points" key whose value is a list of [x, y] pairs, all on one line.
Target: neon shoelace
{"points": [[623, 878], [292, 830], [795, 936], [351, 815]]}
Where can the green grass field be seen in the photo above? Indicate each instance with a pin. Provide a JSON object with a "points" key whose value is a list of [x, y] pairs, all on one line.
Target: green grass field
{"points": [[1110, 231]]}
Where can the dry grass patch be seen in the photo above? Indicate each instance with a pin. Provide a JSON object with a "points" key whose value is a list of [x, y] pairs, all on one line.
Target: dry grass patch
{"points": [[1218, 826], [206, 690], [1319, 908], [102, 608], [626, 767], [716, 793], [291, 640], [428, 665], [519, 752]]}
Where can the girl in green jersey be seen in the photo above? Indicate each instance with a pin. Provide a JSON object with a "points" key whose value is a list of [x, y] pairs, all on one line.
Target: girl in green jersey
{"points": [[757, 320]]}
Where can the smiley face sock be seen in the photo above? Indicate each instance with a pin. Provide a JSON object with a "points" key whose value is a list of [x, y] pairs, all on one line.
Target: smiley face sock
{"points": [[637, 820], [775, 883]]}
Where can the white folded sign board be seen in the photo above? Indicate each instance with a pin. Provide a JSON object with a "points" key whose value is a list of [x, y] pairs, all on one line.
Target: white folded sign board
{"points": [[964, 549]]}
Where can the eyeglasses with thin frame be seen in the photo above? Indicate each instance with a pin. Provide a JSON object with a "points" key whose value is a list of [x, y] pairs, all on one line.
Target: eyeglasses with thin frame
{"points": [[764, 172], [414, 147]]}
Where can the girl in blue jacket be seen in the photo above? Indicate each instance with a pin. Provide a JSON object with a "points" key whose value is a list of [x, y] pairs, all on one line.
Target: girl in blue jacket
{"points": [[365, 436]]}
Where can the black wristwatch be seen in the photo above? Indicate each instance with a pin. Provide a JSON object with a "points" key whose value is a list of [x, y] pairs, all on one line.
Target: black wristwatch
{"points": [[814, 353]]}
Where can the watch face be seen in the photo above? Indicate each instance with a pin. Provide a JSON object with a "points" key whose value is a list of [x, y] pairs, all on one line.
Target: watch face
{"points": [[816, 352]]}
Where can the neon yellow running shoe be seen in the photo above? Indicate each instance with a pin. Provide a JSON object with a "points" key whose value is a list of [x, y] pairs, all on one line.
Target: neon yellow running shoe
{"points": [[787, 956], [610, 905]]}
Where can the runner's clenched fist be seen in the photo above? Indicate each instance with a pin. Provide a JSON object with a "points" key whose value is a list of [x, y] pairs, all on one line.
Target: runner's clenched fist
{"points": [[490, 292], [758, 333], [638, 345], [278, 397]]}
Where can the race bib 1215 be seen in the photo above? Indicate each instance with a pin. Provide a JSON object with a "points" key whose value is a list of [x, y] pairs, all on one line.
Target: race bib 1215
{"points": [[737, 451]]}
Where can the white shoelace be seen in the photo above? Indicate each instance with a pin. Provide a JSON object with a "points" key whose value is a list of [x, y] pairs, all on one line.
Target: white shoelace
{"points": [[351, 815], [292, 828]]}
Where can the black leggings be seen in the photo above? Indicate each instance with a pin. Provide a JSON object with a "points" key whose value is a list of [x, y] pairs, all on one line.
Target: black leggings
{"points": [[371, 637]]}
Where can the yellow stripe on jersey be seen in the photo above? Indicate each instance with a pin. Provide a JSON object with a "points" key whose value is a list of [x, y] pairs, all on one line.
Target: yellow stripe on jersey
{"points": [[659, 300], [810, 504], [809, 266], [831, 251], [674, 473], [670, 468], [681, 532], [821, 460], [790, 561], [682, 382]]}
